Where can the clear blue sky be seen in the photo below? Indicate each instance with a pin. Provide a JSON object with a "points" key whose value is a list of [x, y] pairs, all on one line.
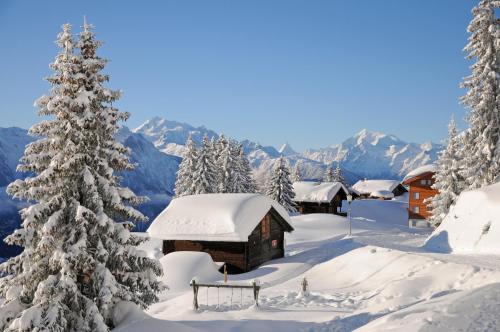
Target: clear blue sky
{"points": [[308, 72]]}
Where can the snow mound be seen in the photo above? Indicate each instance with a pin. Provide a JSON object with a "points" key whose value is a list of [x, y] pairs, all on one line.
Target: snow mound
{"points": [[213, 217], [307, 191], [182, 266], [382, 194], [472, 224], [366, 187], [420, 170], [126, 312]]}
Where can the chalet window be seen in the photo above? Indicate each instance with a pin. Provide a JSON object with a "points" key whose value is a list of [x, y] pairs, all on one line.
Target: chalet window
{"points": [[429, 208], [424, 182], [416, 209], [265, 228], [416, 195]]}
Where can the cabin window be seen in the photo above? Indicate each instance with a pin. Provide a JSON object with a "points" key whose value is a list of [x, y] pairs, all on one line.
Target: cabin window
{"points": [[265, 228], [416, 209], [274, 243], [416, 195], [429, 208]]}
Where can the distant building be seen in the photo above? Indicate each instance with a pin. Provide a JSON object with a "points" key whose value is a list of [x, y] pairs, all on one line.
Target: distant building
{"points": [[382, 194], [419, 183], [381, 189], [241, 230], [319, 197]]}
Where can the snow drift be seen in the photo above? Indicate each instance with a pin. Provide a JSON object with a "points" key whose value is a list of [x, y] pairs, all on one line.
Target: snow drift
{"points": [[182, 266], [472, 224]]}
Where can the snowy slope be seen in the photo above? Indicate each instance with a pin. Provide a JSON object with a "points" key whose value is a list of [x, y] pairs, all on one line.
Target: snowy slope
{"points": [[472, 224], [377, 155], [378, 280]]}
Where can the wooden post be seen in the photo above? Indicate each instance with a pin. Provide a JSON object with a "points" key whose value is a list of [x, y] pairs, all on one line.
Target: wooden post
{"points": [[225, 273], [304, 286], [255, 293], [195, 294]]}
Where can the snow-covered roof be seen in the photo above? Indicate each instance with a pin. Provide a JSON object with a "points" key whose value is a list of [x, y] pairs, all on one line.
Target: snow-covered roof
{"points": [[421, 170], [382, 194], [213, 217], [367, 187], [321, 192], [472, 224]]}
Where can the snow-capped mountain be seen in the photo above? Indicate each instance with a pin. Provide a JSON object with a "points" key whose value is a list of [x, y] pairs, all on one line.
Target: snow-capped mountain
{"points": [[287, 150], [366, 154], [170, 136], [377, 155]]}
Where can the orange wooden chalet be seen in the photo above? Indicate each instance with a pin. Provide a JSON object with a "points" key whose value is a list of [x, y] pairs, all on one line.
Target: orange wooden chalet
{"points": [[419, 183]]}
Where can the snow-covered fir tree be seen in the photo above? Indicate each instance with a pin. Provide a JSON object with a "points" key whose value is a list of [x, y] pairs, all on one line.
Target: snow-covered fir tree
{"points": [[280, 186], [242, 181], [296, 172], [205, 174], [482, 146], [184, 184], [226, 164], [448, 180], [329, 174], [219, 146], [338, 176], [77, 262]]}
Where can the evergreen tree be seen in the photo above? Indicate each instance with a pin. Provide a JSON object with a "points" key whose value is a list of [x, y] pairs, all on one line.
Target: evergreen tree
{"points": [[329, 174], [338, 176], [184, 184], [482, 157], [243, 181], [226, 165], [448, 180], [219, 146], [205, 174], [296, 172], [280, 186], [77, 262]]}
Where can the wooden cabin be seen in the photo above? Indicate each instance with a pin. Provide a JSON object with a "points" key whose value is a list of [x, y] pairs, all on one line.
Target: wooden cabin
{"points": [[419, 183], [373, 189], [319, 197], [241, 230]]}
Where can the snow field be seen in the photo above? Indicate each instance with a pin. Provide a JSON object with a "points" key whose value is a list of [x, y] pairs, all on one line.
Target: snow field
{"points": [[363, 282]]}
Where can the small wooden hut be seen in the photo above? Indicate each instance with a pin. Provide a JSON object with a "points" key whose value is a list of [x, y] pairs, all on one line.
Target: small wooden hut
{"points": [[319, 197], [241, 230], [373, 188]]}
